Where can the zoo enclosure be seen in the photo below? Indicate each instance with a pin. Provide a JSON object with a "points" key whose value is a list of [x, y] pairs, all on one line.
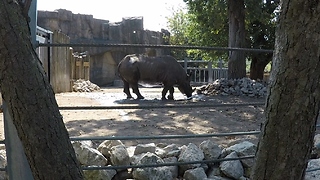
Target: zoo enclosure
{"points": [[13, 149], [113, 107], [64, 66]]}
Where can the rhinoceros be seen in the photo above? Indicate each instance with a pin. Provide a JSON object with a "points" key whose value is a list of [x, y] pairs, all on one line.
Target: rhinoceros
{"points": [[162, 69]]}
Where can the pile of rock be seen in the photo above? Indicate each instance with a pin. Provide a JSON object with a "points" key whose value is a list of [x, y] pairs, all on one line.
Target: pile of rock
{"points": [[84, 86], [115, 153], [237, 87]]}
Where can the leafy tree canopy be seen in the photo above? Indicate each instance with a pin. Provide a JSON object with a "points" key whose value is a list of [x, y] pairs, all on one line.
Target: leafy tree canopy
{"points": [[205, 23]]}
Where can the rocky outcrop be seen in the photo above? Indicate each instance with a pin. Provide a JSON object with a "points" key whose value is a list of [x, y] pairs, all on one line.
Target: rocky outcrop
{"points": [[236, 87]]}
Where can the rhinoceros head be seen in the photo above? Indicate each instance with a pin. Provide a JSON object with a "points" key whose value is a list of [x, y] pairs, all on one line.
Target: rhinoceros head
{"points": [[185, 87]]}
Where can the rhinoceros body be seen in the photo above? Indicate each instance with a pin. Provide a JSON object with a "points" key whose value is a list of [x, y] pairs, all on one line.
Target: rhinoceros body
{"points": [[162, 69]]}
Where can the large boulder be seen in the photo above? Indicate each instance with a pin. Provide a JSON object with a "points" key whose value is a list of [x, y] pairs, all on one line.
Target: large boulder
{"points": [[154, 173], [88, 156], [173, 169], [106, 174], [105, 146], [171, 150], [189, 154], [119, 155], [244, 148], [144, 148], [195, 174], [312, 165], [232, 169], [210, 149]]}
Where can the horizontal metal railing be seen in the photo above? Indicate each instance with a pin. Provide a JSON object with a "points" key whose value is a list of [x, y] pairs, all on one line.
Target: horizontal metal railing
{"points": [[159, 106], [153, 46]]}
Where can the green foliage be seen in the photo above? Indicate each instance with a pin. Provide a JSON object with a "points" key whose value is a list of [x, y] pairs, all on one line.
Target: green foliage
{"points": [[205, 23]]}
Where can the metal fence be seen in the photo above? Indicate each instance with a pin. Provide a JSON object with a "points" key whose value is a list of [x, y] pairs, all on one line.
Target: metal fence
{"points": [[205, 74], [163, 137], [202, 71]]}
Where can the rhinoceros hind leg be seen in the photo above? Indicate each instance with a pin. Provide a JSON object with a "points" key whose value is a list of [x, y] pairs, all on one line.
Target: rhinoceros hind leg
{"points": [[126, 89], [135, 90]]}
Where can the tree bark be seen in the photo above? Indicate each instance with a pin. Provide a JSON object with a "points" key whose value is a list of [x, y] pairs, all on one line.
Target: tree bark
{"points": [[237, 61], [257, 66], [31, 100], [294, 94]]}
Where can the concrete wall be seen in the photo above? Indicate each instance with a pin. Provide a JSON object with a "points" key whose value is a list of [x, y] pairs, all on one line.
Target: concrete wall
{"points": [[86, 29], [60, 65], [103, 69]]}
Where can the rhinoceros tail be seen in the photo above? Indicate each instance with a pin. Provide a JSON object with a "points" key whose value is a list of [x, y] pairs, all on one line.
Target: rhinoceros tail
{"points": [[118, 70]]}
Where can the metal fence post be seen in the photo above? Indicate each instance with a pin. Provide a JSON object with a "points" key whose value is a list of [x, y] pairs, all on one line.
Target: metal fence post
{"points": [[210, 72], [17, 164], [220, 68], [185, 63]]}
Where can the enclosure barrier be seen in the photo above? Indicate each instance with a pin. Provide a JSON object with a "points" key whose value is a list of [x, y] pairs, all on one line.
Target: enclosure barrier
{"points": [[166, 136], [159, 106], [166, 164], [154, 46], [203, 75], [202, 71]]}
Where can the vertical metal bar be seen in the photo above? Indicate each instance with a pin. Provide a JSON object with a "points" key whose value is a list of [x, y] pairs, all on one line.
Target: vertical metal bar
{"points": [[220, 68], [49, 56], [210, 72], [17, 164], [185, 63]]}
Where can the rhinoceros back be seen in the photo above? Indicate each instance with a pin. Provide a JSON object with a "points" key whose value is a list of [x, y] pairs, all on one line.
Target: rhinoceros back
{"points": [[151, 69]]}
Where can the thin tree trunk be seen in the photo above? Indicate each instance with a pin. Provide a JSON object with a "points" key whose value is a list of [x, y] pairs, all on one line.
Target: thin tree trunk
{"points": [[31, 101], [293, 101], [237, 61], [257, 66]]}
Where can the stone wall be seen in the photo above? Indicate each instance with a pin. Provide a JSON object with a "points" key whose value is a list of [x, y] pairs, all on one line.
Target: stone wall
{"points": [[83, 28]]}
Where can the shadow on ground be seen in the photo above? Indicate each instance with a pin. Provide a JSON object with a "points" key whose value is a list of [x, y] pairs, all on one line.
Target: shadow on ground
{"points": [[168, 120]]}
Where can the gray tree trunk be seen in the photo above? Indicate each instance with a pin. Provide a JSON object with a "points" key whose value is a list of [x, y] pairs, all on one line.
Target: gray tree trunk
{"points": [[237, 61], [293, 101], [31, 101]]}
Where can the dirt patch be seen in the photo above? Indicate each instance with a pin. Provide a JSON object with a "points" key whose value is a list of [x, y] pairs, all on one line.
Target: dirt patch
{"points": [[152, 121]]}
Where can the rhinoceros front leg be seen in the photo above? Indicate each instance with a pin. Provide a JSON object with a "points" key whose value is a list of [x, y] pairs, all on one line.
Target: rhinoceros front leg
{"points": [[135, 90], [170, 96], [164, 92]]}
